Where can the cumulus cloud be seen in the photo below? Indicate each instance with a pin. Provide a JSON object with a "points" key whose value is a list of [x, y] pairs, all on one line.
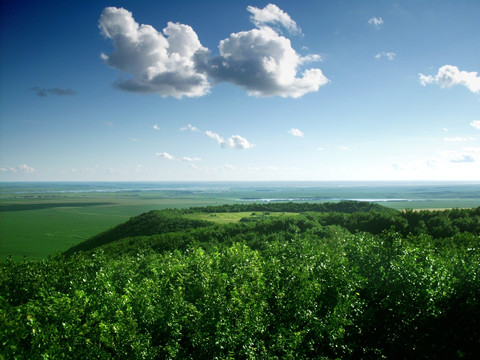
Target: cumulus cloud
{"points": [[23, 169], [296, 132], [265, 64], [155, 127], [375, 21], [161, 63], [166, 156], [189, 127], [389, 55], [43, 92], [475, 124], [235, 141], [272, 15], [449, 75], [174, 63]]}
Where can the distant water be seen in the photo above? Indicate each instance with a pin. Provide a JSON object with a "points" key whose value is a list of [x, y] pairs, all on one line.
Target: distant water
{"points": [[373, 191]]}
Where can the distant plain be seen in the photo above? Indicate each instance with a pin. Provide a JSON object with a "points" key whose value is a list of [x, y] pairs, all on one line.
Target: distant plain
{"points": [[40, 219]]}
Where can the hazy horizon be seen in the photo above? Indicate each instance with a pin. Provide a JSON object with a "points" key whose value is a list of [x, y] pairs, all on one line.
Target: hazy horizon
{"points": [[259, 91]]}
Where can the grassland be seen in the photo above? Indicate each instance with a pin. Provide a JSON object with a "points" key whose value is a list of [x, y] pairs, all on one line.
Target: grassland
{"points": [[229, 217]]}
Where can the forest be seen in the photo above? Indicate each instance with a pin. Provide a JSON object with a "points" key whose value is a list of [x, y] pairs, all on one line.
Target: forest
{"points": [[345, 280]]}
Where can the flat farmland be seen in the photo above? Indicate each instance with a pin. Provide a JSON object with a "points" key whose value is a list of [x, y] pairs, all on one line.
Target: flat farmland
{"points": [[38, 228]]}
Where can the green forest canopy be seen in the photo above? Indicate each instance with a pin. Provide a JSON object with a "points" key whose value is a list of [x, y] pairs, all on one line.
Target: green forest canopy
{"points": [[342, 280]]}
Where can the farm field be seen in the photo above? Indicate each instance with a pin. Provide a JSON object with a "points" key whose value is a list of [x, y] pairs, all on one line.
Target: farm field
{"points": [[39, 219]]}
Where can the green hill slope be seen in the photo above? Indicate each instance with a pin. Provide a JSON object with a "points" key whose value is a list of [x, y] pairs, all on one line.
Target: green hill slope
{"points": [[167, 221], [153, 222]]}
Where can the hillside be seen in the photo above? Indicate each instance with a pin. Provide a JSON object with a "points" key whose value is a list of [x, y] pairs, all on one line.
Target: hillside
{"points": [[161, 222], [348, 280]]}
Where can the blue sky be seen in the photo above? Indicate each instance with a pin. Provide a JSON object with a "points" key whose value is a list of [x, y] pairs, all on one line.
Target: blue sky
{"points": [[239, 90]]}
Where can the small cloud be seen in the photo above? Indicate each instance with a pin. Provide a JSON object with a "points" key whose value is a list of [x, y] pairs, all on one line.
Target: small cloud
{"points": [[320, 148], [263, 168], [389, 55], [375, 21], [461, 158], [459, 139], [449, 75], [296, 132], [467, 155], [445, 129], [108, 123], [273, 15], [155, 127], [214, 136], [235, 141], [166, 156], [475, 124], [189, 159], [343, 148], [23, 169], [310, 58], [43, 92], [190, 127]]}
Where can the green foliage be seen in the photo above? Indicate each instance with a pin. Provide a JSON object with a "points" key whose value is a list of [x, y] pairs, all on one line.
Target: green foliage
{"points": [[314, 286]]}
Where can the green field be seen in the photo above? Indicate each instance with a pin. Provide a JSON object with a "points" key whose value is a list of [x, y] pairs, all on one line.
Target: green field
{"points": [[38, 228], [39, 219], [229, 217]]}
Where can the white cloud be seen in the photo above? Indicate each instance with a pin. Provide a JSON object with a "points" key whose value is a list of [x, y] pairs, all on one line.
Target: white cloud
{"points": [[189, 127], [449, 75], [108, 123], [189, 159], [214, 136], [174, 63], [263, 168], [24, 169], [159, 63], [467, 155], [375, 21], [457, 157], [459, 139], [166, 156], [265, 64], [476, 124], [235, 141], [343, 148], [238, 142], [296, 132], [389, 55], [155, 127], [273, 15]]}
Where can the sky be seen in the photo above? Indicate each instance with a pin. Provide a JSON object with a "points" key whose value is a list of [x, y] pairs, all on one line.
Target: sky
{"points": [[154, 90]]}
